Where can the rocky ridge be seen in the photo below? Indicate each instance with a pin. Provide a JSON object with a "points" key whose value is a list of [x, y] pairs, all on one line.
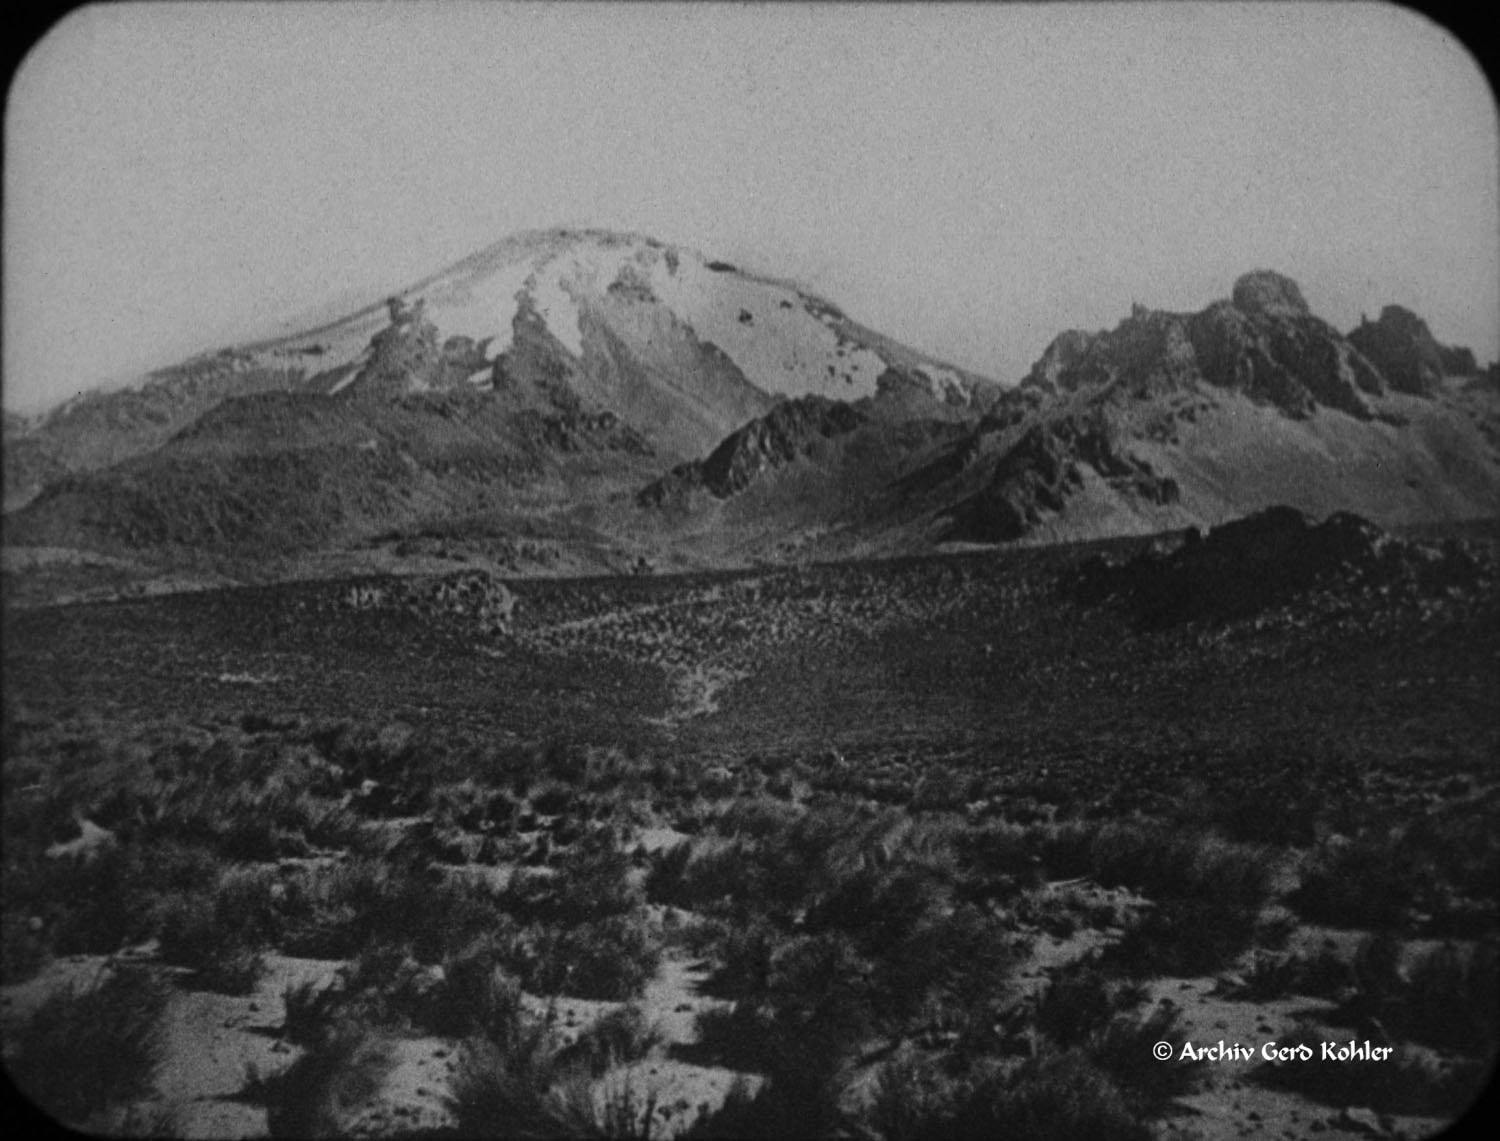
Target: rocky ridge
{"points": [[1276, 556], [788, 431]]}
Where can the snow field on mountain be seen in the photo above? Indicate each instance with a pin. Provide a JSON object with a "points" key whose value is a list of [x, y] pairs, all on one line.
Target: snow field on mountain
{"points": [[782, 348]]}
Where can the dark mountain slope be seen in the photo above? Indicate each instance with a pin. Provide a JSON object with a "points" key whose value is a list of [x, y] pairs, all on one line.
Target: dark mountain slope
{"points": [[283, 472]]}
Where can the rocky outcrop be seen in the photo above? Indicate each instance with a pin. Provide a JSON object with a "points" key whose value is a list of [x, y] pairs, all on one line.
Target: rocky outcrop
{"points": [[1272, 558], [1042, 471], [1458, 361], [1263, 293], [1262, 342], [406, 357], [788, 431], [1403, 348], [1293, 361]]}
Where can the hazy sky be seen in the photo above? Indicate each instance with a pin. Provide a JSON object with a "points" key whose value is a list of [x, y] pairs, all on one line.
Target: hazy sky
{"points": [[971, 180]]}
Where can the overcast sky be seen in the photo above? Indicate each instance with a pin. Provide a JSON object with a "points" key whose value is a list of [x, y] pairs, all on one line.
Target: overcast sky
{"points": [[971, 180]]}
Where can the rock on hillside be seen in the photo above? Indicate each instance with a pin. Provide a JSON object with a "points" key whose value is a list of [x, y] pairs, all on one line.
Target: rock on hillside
{"points": [[1262, 342], [1174, 418], [1403, 348], [406, 357], [1044, 468], [788, 431], [1273, 557]]}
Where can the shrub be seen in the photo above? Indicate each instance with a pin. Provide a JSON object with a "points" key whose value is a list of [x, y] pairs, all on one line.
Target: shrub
{"points": [[552, 797], [1376, 966], [218, 933], [621, 1036], [591, 880], [998, 859], [1365, 882], [233, 970], [336, 910], [1455, 998], [610, 959], [740, 1037], [515, 1088], [912, 1100], [1270, 976], [697, 873], [1054, 1096], [1450, 996], [82, 1051], [310, 1010], [1183, 937], [23, 952], [625, 1116], [1122, 1049], [879, 906], [89, 904], [744, 953], [964, 964], [476, 996], [1080, 1002], [315, 1095]]}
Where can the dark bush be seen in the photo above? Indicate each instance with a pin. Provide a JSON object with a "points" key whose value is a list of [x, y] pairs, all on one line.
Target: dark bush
{"points": [[1184, 937], [82, 1051]]}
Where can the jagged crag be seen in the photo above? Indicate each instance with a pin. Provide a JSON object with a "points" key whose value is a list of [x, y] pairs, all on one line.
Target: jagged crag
{"points": [[1077, 406]]}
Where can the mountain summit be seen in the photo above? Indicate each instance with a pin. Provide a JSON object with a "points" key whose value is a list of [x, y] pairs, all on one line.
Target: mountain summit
{"points": [[684, 348]]}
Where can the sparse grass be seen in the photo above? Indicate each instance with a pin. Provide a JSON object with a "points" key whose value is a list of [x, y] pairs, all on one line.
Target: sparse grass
{"points": [[82, 1051]]}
